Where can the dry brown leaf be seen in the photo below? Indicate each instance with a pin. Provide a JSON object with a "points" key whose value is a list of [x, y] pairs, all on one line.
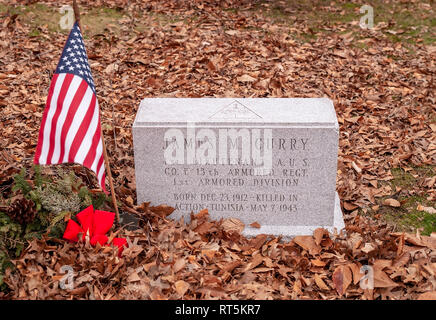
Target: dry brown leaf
{"points": [[233, 225], [320, 283], [129, 200], [162, 210], [355, 270], [246, 78], [202, 214], [392, 203], [111, 68], [179, 265], [208, 253], [342, 278], [431, 295], [382, 280], [133, 277], [257, 260], [349, 206], [204, 227], [368, 247], [255, 225], [422, 241], [308, 243], [319, 234], [426, 209], [318, 263], [232, 32], [181, 287]]}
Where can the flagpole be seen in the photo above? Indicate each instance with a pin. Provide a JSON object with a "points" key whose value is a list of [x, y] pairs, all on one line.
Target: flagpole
{"points": [[106, 158]]}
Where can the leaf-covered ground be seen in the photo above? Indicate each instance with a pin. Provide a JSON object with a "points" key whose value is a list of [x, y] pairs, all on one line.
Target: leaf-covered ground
{"points": [[211, 260], [382, 85]]}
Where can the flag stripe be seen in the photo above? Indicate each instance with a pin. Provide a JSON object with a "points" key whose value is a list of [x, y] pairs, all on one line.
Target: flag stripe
{"points": [[44, 118], [48, 125], [76, 117], [103, 178], [93, 150], [87, 142], [100, 170], [71, 104], [84, 127], [96, 156], [54, 121]]}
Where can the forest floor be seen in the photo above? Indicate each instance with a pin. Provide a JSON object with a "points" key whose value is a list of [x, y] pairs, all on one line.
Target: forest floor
{"points": [[380, 79]]}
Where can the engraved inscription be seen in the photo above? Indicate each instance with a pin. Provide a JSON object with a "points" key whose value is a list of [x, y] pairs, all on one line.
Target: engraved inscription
{"points": [[237, 185]]}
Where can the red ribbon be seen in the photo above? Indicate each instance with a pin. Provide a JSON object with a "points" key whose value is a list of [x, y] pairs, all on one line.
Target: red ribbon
{"points": [[95, 223]]}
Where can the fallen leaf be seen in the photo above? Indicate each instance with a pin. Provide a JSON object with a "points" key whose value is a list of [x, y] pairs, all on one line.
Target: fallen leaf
{"points": [[179, 265], [162, 210], [246, 78], [257, 260], [255, 225], [392, 203], [318, 263], [431, 295], [426, 209], [232, 32], [368, 247], [355, 270], [111, 68], [320, 283], [233, 225], [133, 277], [129, 200], [308, 243], [181, 287], [319, 234], [342, 277], [349, 206], [382, 280]]}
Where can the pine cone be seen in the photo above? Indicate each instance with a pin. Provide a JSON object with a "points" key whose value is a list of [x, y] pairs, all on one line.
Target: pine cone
{"points": [[22, 211]]}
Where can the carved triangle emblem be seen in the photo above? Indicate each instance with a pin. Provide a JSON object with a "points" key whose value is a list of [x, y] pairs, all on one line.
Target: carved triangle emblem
{"points": [[235, 110]]}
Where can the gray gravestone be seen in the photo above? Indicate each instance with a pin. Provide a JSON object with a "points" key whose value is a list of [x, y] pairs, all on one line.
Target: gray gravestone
{"points": [[266, 160]]}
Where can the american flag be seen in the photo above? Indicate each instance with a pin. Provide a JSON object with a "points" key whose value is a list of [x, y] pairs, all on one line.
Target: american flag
{"points": [[70, 128]]}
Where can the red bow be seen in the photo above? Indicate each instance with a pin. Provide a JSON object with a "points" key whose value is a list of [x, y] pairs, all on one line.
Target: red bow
{"points": [[96, 224]]}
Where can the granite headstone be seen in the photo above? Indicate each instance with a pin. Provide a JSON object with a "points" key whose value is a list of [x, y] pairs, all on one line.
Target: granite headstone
{"points": [[266, 160]]}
